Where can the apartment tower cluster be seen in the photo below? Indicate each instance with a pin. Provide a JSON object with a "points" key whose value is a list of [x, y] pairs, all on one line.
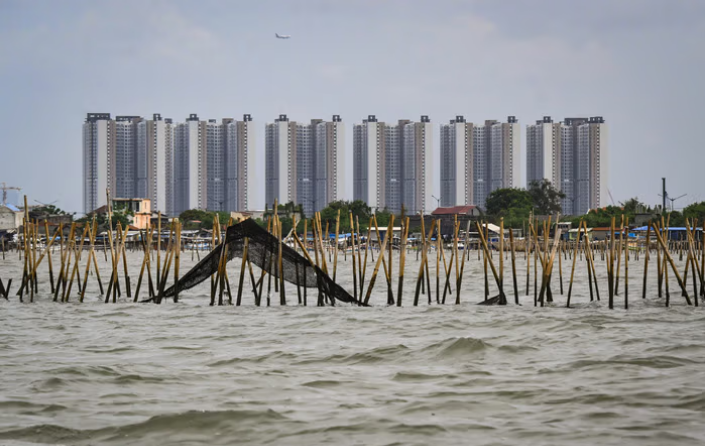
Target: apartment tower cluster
{"points": [[301, 162], [178, 166], [478, 159], [206, 164], [573, 156]]}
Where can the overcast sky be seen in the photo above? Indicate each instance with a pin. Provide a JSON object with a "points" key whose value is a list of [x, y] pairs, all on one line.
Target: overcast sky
{"points": [[638, 63]]}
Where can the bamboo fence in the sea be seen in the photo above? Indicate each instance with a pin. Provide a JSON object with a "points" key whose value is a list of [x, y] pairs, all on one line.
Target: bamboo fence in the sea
{"points": [[605, 260]]}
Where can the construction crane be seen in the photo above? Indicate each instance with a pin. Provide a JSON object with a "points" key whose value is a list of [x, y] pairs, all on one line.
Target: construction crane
{"points": [[6, 188]]}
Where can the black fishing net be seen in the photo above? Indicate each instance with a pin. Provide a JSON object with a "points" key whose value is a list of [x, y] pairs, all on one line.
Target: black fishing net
{"points": [[263, 251]]}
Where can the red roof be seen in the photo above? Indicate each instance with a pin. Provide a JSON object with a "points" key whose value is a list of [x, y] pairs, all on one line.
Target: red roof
{"points": [[455, 210]]}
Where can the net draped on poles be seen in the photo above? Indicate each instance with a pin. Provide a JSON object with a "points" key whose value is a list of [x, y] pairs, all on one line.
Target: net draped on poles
{"points": [[263, 251]]}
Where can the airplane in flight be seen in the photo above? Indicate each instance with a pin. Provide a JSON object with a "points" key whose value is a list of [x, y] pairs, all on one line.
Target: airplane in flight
{"points": [[282, 36]]}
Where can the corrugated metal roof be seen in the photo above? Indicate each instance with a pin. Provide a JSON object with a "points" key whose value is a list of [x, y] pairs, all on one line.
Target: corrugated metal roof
{"points": [[11, 207]]}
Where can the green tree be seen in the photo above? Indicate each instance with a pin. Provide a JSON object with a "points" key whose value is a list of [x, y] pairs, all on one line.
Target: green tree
{"points": [[383, 217], [500, 201], [102, 219], [359, 209], [633, 206], [546, 198], [513, 204], [695, 210]]}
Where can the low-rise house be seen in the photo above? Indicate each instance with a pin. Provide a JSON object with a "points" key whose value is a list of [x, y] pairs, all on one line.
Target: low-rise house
{"points": [[10, 217]]}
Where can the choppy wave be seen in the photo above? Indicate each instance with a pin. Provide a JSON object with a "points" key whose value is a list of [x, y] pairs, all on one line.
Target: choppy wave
{"points": [[193, 374]]}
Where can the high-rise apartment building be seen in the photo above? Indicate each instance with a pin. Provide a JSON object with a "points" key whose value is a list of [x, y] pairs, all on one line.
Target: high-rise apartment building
{"points": [[302, 162], [190, 165], [155, 145], [212, 164], [457, 163], [478, 159], [98, 157], [543, 146], [392, 166], [572, 155]]}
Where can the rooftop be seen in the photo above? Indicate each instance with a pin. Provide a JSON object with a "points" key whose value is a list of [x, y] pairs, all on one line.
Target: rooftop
{"points": [[454, 210]]}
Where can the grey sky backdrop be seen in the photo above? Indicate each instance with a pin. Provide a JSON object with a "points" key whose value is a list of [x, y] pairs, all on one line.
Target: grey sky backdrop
{"points": [[638, 63]]}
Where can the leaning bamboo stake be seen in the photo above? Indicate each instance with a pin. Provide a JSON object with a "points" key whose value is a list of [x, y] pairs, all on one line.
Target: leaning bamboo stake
{"points": [[424, 260], [560, 264], [144, 238], [619, 254], [402, 258], [514, 271], [51, 269], [352, 254], [159, 246], [439, 251], [280, 268], [384, 261], [447, 268], [379, 259], [337, 234], [128, 290], [547, 271], [176, 262], [359, 255], [575, 258], [466, 254], [457, 261], [390, 264], [502, 297], [76, 264], [673, 266]]}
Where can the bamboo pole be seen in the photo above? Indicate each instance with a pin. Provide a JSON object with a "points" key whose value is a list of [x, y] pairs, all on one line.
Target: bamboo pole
{"points": [[76, 264], [402, 258], [620, 248], [145, 241], [501, 254], [337, 234], [51, 269], [575, 258], [502, 297], [514, 272], [359, 255], [626, 269], [424, 255], [177, 262], [159, 246], [673, 266], [354, 265], [280, 268], [379, 259], [465, 256], [243, 266], [646, 260]]}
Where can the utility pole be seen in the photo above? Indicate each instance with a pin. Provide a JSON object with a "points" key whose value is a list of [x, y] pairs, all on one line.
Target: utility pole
{"points": [[664, 194]]}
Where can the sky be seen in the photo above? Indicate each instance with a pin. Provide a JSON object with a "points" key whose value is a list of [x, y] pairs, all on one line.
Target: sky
{"points": [[637, 63]]}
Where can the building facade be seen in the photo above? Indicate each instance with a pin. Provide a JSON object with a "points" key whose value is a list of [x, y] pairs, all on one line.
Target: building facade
{"points": [[98, 154], [301, 162], [457, 163], [392, 165], [478, 159], [190, 166], [155, 146], [193, 164], [573, 156]]}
